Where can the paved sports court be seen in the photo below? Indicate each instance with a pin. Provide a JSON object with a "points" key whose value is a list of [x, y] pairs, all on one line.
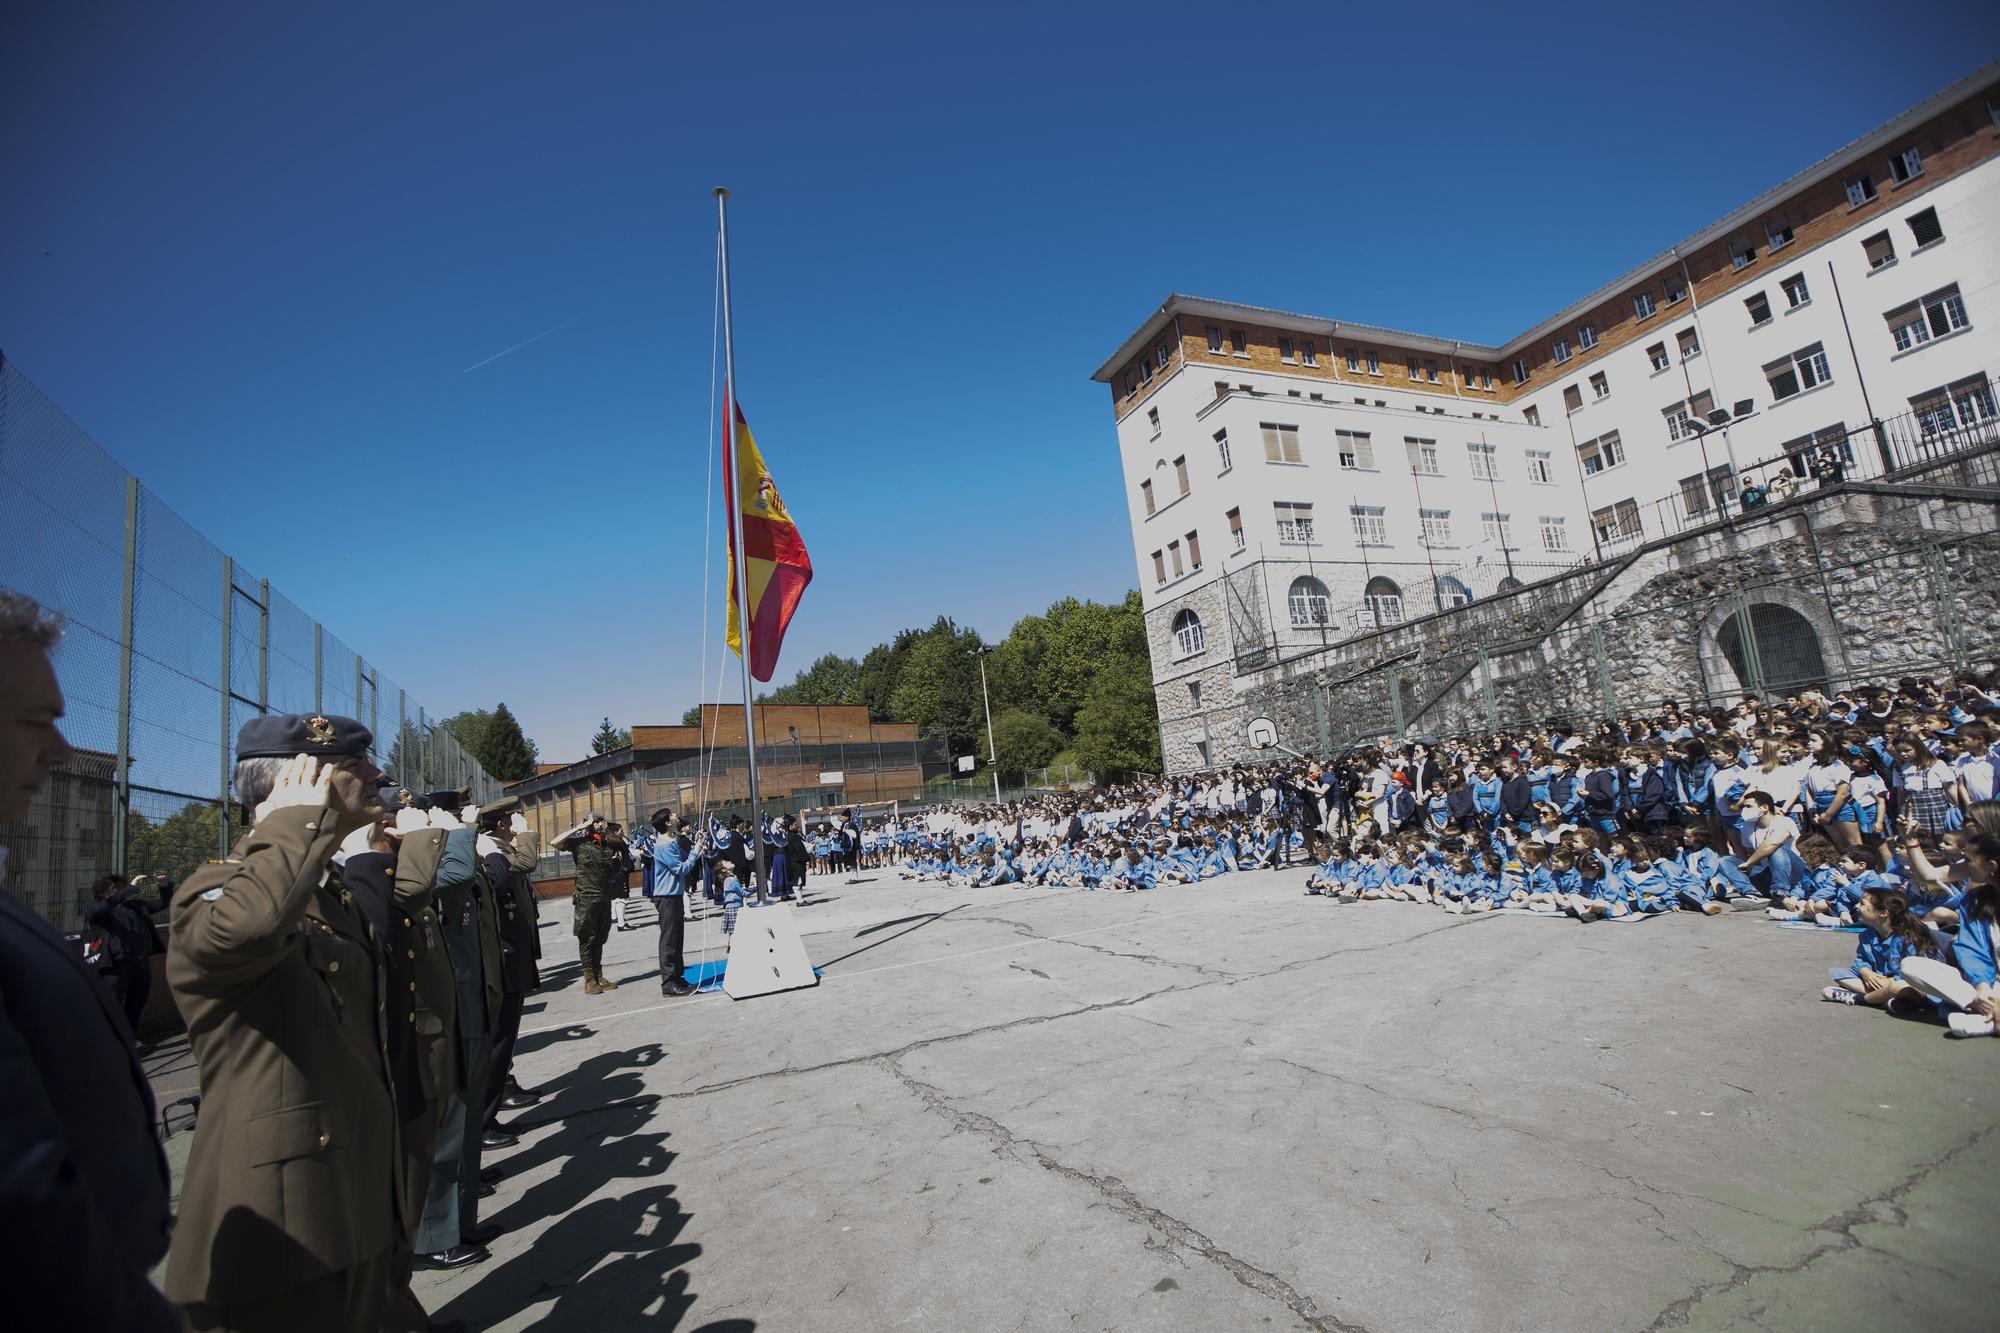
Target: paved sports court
{"points": [[1231, 1106]]}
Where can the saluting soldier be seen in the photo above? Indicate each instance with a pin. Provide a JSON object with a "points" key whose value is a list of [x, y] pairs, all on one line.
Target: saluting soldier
{"points": [[446, 1234], [291, 1201], [507, 850], [596, 861]]}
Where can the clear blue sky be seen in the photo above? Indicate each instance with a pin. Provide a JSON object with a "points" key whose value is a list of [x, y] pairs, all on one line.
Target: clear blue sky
{"points": [[253, 249]]}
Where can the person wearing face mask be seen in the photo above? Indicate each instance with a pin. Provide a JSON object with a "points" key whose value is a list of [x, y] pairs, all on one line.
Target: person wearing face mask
{"points": [[83, 1184], [292, 1202]]}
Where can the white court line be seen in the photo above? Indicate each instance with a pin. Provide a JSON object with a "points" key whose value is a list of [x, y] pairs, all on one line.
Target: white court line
{"points": [[921, 962]]}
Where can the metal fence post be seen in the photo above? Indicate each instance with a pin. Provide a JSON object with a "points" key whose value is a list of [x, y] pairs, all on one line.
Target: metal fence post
{"points": [[228, 648], [1486, 691], [319, 675], [1746, 639], [1396, 701], [1606, 690], [423, 750], [121, 798], [263, 645]]}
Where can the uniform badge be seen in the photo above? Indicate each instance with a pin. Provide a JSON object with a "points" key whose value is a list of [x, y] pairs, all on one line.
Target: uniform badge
{"points": [[319, 731], [210, 895]]}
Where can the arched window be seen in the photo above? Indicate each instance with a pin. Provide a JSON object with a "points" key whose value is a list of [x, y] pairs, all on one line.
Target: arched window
{"points": [[1385, 602], [1510, 584], [1787, 647], [1451, 592], [1308, 602], [1188, 636]]}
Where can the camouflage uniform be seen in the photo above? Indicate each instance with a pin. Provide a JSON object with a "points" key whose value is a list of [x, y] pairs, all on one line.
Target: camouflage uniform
{"points": [[596, 867]]}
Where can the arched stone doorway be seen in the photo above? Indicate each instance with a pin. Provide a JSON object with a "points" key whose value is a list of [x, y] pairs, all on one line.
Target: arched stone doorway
{"points": [[1787, 647]]}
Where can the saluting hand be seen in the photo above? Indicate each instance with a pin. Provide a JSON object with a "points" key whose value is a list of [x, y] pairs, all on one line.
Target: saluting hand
{"points": [[302, 781]]}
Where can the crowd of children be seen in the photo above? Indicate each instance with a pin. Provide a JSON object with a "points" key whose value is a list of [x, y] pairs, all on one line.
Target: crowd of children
{"points": [[1870, 812]]}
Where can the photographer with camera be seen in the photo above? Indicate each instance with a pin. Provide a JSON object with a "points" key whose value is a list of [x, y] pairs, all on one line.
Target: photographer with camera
{"points": [[125, 918]]}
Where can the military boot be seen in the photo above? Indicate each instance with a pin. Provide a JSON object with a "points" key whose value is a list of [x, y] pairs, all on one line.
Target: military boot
{"points": [[590, 986], [604, 982]]}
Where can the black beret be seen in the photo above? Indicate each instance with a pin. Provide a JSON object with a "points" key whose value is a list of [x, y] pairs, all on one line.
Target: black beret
{"points": [[287, 734]]}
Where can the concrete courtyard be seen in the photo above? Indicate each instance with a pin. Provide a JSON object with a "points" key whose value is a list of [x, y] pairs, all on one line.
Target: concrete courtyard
{"points": [[1232, 1106]]}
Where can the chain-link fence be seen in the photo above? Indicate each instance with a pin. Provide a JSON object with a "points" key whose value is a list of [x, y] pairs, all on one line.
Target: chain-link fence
{"points": [[170, 647]]}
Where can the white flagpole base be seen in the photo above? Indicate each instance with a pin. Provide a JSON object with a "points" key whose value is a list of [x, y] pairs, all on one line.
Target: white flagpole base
{"points": [[766, 954]]}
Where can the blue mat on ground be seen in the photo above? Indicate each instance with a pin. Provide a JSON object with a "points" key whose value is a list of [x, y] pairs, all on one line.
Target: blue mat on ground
{"points": [[1824, 930], [708, 976]]}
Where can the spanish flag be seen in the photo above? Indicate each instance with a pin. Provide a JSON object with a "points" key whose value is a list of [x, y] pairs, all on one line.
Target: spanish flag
{"points": [[778, 568]]}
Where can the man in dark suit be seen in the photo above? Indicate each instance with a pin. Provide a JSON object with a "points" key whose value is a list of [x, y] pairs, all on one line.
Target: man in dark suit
{"points": [[83, 1184]]}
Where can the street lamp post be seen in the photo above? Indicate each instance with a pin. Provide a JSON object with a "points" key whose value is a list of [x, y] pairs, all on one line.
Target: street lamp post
{"points": [[992, 751]]}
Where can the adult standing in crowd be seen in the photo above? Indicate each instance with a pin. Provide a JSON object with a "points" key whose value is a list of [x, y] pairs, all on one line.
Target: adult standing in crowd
{"points": [[124, 918], [290, 1205], [83, 1184], [673, 862], [507, 854]]}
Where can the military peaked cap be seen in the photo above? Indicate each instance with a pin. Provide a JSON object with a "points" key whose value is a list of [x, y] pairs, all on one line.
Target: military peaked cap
{"points": [[287, 734]]}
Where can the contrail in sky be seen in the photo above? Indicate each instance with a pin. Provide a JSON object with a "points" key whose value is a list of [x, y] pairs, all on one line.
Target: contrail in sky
{"points": [[524, 342]]}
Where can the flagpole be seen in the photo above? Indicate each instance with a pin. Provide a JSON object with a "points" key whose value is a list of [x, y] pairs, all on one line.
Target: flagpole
{"points": [[733, 484]]}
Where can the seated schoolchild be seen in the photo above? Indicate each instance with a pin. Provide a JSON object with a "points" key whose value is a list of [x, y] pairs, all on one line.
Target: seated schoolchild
{"points": [[1598, 894], [1967, 988], [1892, 938]]}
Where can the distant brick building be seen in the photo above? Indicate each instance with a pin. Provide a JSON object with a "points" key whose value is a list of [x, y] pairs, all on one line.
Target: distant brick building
{"points": [[807, 757]]}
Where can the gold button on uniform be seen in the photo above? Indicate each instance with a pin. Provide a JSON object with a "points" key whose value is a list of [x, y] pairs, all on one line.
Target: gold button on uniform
{"points": [[325, 1138], [333, 966]]}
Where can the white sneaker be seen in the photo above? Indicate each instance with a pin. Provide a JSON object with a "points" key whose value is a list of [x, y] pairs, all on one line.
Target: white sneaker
{"points": [[1780, 914], [1969, 1025], [1839, 995]]}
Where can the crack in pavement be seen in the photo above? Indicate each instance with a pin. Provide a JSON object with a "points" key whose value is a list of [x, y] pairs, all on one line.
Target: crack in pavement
{"points": [[1840, 1227], [1123, 1201], [1030, 933]]}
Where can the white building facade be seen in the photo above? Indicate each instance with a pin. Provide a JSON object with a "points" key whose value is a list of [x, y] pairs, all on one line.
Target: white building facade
{"points": [[1295, 481]]}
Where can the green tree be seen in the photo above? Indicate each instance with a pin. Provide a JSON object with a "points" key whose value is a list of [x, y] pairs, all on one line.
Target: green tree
{"points": [[609, 738], [1024, 740], [833, 679], [1117, 726], [187, 838], [692, 717], [506, 752], [939, 685]]}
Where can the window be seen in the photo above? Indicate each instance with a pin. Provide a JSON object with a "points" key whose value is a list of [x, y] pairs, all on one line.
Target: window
{"points": [[1675, 286], [1689, 344], [1194, 551], [1532, 415], [1485, 461], [1413, 370], [1905, 166], [1385, 602], [1238, 344], [1189, 640], [1714, 489], [1160, 356], [1371, 528], [1436, 526], [1316, 397], [1174, 557], [1159, 567], [1145, 371], [1941, 312], [1606, 451], [1131, 382], [1286, 352], [1308, 603], [1180, 473], [1643, 305], [1600, 385], [1281, 443], [1860, 190], [1357, 449], [1924, 227], [1778, 232], [1374, 364], [1295, 521], [1214, 338], [1423, 456], [1520, 369], [1146, 493], [1759, 307], [1572, 398], [1801, 452], [1538, 467], [1293, 393], [1798, 372], [1657, 354], [1451, 592], [1616, 521], [1586, 336], [1993, 110], [1354, 361], [1555, 532], [1493, 527], [1222, 450], [1309, 353], [1795, 291], [1560, 349], [1222, 388], [1236, 538], [1430, 370], [1969, 402], [1153, 420], [1742, 252], [1677, 421], [1880, 250]]}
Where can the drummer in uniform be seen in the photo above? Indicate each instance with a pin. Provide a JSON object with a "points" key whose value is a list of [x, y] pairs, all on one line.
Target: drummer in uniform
{"points": [[292, 1202]]}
